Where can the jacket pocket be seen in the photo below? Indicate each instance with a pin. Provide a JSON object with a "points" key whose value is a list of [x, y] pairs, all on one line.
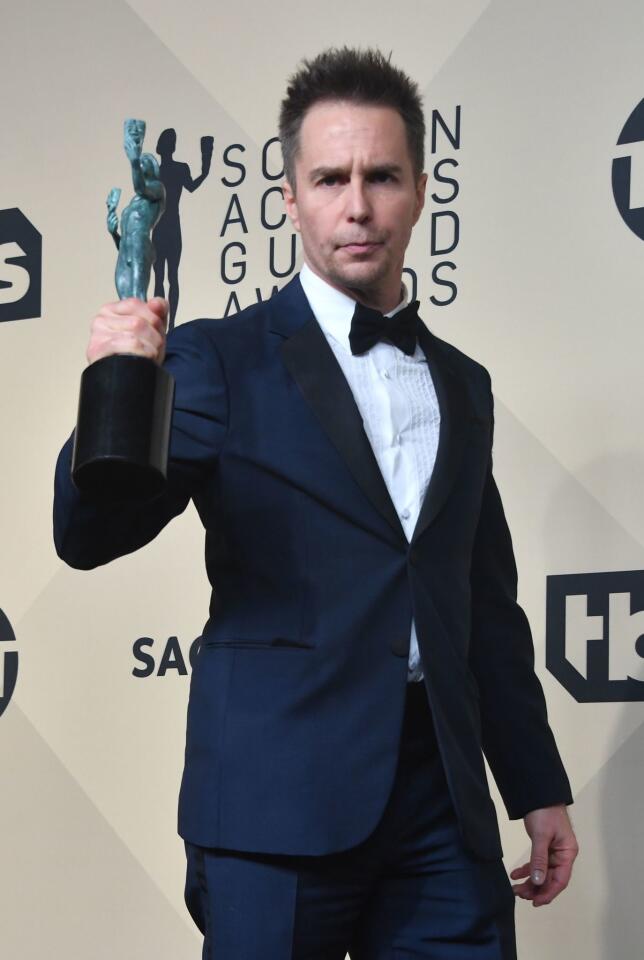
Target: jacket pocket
{"points": [[257, 643]]}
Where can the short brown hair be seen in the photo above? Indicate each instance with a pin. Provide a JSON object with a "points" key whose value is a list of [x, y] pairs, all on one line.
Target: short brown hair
{"points": [[363, 77]]}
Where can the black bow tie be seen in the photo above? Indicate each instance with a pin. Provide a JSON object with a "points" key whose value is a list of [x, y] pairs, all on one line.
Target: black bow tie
{"points": [[369, 327]]}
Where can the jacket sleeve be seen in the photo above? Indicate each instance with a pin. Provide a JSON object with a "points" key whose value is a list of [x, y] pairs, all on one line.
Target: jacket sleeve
{"points": [[517, 739], [86, 533]]}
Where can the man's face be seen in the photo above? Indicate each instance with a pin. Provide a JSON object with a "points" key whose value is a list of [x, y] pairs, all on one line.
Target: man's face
{"points": [[356, 198], [135, 130]]}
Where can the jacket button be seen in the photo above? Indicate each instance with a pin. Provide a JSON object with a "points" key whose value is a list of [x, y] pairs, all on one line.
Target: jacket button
{"points": [[413, 557]]}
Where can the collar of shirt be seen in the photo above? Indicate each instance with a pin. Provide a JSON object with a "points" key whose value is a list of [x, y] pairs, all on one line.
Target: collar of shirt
{"points": [[333, 309]]}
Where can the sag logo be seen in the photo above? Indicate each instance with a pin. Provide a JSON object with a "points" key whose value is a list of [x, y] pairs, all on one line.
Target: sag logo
{"points": [[595, 634], [20, 266], [8, 663], [628, 172]]}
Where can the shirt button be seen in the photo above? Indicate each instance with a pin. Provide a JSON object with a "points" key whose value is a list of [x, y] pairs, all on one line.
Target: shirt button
{"points": [[386, 375], [405, 515], [397, 440]]}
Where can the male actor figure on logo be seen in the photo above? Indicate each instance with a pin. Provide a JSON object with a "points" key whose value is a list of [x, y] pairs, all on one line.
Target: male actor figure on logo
{"points": [[364, 642]]}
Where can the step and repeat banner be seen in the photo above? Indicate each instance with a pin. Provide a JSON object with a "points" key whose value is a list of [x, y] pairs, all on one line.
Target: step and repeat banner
{"points": [[529, 256]]}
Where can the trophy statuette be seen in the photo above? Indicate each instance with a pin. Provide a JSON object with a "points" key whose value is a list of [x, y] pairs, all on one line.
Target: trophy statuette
{"points": [[125, 405]]}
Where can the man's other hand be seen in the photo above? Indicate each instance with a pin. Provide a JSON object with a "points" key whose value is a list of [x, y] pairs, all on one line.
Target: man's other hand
{"points": [[554, 848], [129, 326]]}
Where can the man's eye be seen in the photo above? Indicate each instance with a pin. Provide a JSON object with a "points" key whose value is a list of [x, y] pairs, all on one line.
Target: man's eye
{"points": [[381, 176], [329, 181]]}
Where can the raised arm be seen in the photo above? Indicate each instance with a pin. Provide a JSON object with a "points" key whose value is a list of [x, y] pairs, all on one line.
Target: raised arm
{"points": [[152, 188], [88, 534], [206, 157]]}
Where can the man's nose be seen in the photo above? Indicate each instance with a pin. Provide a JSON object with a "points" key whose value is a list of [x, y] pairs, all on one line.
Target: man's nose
{"points": [[358, 207]]}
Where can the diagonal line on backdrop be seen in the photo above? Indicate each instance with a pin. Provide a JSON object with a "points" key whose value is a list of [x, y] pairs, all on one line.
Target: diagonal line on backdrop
{"points": [[470, 27], [100, 816], [455, 25], [183, 65], [569, 473], [591, 783]]}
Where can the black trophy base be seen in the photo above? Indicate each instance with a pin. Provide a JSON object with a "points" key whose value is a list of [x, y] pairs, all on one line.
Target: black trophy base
{"points": [[123, 429]]}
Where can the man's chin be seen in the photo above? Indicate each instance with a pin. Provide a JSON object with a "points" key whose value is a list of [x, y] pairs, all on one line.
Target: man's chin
{"points": [[358, 276]]}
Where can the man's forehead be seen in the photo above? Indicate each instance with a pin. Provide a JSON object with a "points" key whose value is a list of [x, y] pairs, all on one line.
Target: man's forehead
{"points": [[336, 127]]}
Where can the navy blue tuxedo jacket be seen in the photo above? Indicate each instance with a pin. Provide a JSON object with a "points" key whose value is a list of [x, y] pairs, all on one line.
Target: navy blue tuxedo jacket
{"points": [[297, 692]]}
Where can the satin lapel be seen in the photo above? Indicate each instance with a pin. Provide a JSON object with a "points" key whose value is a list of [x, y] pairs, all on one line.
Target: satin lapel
{"points": [[313, 366], [453, 403]]}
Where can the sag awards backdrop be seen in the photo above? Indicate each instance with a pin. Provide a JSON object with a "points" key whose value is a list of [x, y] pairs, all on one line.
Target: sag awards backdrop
{"points": [[529, 256]]}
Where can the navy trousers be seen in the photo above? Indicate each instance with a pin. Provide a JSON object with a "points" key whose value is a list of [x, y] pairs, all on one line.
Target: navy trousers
{"points": [[408, 891]]}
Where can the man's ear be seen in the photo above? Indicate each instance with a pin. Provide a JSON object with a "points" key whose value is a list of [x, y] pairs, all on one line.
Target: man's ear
{"points": [[420, 196], [291, 204]]}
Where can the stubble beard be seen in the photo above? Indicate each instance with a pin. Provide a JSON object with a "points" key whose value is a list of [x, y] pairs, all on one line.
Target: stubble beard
{"points": [[366, 282]]}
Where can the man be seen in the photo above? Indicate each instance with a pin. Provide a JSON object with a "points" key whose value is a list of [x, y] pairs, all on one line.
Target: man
{"points": [[364, 638]]}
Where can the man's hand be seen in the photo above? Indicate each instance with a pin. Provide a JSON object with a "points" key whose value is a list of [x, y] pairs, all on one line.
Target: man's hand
{"points": [[112, 221], [134, 132], [554, 848], [129, 326]]}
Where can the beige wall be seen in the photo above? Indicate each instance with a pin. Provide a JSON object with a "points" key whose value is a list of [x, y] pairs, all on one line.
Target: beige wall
{"points": [[549, 298]]}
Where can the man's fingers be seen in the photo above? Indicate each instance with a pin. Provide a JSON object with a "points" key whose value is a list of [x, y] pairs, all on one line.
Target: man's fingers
{"points": [[557, 880], [129, 326], [158, 303], [539, 858], [161, 308], [123, 344], [524, 890], [561, 874], [548, 892], [153, 312], [105, 329], [554, 848]]}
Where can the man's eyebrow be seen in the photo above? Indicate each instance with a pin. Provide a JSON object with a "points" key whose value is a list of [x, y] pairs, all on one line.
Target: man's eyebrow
{"points": [[385, 168], [319, 173]]}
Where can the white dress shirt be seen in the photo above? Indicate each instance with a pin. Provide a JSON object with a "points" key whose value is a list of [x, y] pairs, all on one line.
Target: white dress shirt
{"points": [[397, 401]]}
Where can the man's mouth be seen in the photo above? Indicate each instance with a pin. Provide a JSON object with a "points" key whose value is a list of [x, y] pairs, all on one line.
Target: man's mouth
{"points": [[364, 246]]}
